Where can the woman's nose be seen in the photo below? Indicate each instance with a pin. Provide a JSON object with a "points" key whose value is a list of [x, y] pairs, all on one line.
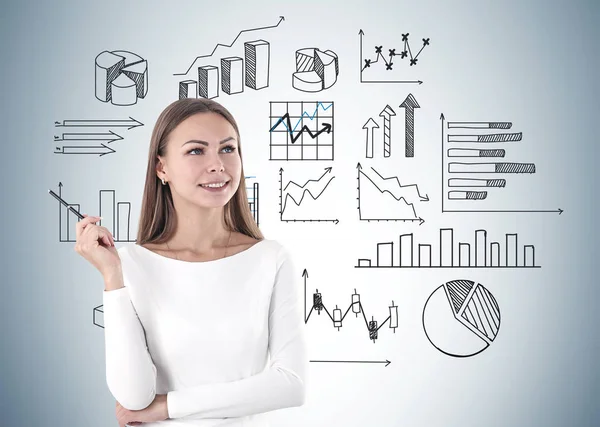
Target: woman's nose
{"points": [[216, 163]]}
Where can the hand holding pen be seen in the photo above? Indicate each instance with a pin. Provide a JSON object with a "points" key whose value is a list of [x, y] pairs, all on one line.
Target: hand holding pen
{"points": [[94, 242]]}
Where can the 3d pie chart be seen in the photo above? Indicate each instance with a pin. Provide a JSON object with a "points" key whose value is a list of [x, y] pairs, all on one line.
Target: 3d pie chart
{"points": [[461, 318]]}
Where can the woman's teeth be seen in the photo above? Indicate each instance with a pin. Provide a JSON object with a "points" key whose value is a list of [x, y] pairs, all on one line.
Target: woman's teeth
{"points": [[217, 185]]}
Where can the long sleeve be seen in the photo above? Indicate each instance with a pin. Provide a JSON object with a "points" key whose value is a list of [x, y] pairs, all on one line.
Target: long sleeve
{"points": [[130, 372], [281, 384]]}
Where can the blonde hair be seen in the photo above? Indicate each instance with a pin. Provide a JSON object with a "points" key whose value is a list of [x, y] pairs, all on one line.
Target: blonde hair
{"points": [[157, 218]]}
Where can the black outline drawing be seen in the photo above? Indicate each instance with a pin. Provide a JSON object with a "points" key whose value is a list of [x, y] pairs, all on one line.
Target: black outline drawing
{"points": [[305, 189], [121, 77], [281, 18], [409, 104], [85, 140], [465, 259], [389, 64], [477, 189], [322, 122], [473, 307], [337, 318], [316, 70], [403, 203], [252, 71], [112, 220]]}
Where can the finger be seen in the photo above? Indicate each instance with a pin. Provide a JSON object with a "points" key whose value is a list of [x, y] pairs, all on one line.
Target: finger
{"points": [[82, 224], [96, 233]]}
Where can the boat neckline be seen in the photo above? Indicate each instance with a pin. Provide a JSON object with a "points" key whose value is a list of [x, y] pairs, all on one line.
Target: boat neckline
{"points": [[159, 256]]}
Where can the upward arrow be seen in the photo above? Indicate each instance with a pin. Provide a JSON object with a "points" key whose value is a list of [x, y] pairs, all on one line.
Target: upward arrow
{"points": [[387, 130], [370, 126], [409, 104]]}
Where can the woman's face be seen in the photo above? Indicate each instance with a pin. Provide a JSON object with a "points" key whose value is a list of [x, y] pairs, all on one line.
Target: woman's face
{"points": [[203, 149]]}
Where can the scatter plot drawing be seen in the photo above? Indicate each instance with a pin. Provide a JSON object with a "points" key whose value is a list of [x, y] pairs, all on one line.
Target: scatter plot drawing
{"points": [[461, 318], [121, 77], [301, 130], [386, 199], [386, 114], [310, 201], [316, 70], [475, 175], [337, 318], [392, 64], [91, 141], [452, 255], [248, 67]]}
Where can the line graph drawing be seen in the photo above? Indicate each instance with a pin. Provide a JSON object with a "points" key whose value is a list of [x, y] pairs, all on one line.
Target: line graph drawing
{"points": [[337, 318], [451, 255], [306, 202], [92, 141], [475, 175], [461, 318], [316, 70], [121, 77], [382, 68], [386, 199], [301, 130], [248, 68], [409, 104]]}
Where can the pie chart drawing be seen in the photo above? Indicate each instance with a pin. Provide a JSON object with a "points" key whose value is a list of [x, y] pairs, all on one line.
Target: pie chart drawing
{"points": [[461, 318]]}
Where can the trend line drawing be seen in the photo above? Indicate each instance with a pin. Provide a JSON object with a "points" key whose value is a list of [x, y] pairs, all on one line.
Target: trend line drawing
{"points": [[337, 318], [386, 199], [461, 318], [301, 130], [121, 77], [90, 142], [409, 104], [388, 64], [466, 190], [484, 255], [281, 18], [316, 70], [302, 202], [248, 68]]}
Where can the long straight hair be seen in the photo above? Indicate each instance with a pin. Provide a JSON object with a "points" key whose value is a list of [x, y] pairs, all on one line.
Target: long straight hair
{"points": [[158, 221]]}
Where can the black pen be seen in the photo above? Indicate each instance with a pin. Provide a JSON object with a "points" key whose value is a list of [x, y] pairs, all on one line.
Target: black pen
{"points": [[57, 197]]}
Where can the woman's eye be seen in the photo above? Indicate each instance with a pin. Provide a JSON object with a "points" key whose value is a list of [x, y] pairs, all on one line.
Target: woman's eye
{"points": [[195, 149], [230, 147]]}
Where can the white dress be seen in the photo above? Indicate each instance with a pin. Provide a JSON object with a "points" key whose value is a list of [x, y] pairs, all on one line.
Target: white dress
{"points": [[224, 339]]}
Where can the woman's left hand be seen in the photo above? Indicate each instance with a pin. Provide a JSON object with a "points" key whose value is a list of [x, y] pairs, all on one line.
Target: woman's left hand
{"points": [[156, 411]]}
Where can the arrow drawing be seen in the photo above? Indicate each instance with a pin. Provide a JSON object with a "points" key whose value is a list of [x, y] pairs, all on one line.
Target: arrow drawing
{"points": [[370, 127], [409, 105], [386, 113]]}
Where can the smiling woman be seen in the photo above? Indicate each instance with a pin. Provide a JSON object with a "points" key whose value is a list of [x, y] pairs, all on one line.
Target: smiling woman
{"points": [[170, 351]]}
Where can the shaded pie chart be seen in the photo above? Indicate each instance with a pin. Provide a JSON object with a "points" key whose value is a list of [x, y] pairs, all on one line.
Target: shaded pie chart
{"points": [[461, 318]]}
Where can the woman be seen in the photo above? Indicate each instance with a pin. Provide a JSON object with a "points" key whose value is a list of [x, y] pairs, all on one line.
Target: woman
{"points": [[192, 309]]}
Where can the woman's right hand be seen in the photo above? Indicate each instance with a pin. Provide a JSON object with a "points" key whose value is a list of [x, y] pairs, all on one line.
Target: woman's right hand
{"points": [[96, 244]]}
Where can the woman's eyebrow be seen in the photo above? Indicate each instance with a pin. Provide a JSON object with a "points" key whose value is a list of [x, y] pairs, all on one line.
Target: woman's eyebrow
{"points": [[229, 138]]}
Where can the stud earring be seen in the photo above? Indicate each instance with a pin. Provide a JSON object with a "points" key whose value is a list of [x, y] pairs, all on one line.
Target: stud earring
{"points": [[163, 181]]}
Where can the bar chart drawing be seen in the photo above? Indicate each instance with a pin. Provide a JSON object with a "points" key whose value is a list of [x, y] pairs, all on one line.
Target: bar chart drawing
{"points": [[475, 176], [90, 141], [301, 130], [250, 68], [337, 318], [461, 318], [252, 195], [450, 254], [391, 65], [386, 199], [307, 202], [116, 217]]}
